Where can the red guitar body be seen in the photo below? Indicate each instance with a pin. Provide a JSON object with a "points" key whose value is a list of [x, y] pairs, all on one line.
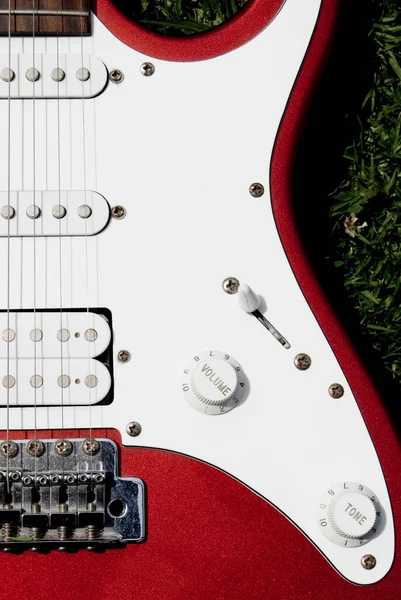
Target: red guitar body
{"points": [[208, 536]]}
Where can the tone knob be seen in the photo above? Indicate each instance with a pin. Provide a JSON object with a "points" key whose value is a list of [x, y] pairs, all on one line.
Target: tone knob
{"points": [[213, 382], [349, 514]]}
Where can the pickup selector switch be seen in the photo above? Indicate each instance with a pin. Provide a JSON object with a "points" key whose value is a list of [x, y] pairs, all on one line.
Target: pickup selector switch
{"points": [[349, 514], [213, 382]]}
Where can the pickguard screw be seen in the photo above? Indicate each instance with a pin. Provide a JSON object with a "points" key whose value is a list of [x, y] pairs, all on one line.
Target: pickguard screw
{"points": [[116, 76], [230, 285], [90, 446], [336, 390], [124, 356], [302, 361], [256, 190], [63, 447], [368, 562], [147, 69], [133, 429], [9, 449], [118, 212], [35, 448]]}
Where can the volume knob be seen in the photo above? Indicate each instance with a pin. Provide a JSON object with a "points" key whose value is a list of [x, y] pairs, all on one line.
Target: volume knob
{"points": [[213, 382]]}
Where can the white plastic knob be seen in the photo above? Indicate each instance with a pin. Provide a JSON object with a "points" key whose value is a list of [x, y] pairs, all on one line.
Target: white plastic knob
{"points": [[352, 514], [247, 299], [214, 381], [349, 514]]}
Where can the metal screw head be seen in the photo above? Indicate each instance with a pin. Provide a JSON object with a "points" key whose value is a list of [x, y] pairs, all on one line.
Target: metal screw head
{"points": [[368, 561], [230, 285], [336, 390], [9, 449], [35, 448], [63, 447], [15, 476], [42, 480], [7, 211], [116, 76], [133, 429], [27, 480], [57, 75], [147, 69], [90, 446], [118, 212], [256, 190], [124, 356], [302, 361]]}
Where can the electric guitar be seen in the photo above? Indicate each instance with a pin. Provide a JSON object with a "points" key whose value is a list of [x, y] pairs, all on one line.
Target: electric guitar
{"points": [[182, 415]]}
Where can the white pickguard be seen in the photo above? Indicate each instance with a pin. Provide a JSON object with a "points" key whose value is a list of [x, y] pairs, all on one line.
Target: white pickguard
{"points": [[179, 151]]}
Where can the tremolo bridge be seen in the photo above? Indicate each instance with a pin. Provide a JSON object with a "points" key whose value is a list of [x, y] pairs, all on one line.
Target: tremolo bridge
{"points": [[66, 494]]}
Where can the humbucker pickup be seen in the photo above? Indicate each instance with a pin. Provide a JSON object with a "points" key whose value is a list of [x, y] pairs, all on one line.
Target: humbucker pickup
{"points": [[49, 76], [53, 358], [52, 213]]}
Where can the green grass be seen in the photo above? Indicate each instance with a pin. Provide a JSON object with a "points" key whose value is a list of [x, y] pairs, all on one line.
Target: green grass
{"points": [[181, 17], [365, 208]]}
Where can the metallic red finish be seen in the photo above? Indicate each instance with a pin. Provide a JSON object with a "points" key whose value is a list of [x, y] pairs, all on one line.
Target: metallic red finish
{"points": [[235, 32], [209, 537]]}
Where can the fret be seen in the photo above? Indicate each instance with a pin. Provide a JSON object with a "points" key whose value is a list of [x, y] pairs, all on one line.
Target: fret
{"points": [[44, 17]]}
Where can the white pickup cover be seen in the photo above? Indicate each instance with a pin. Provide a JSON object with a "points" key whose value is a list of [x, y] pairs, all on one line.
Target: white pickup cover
{"points": [[45, 86], [76, 203]]}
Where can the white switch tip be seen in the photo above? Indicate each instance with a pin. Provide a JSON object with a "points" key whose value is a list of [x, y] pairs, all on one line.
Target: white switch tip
{"points": [[247, 299]]}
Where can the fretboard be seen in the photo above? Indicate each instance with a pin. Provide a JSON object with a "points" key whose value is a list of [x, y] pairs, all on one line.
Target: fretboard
{"points": [[44, 17]]}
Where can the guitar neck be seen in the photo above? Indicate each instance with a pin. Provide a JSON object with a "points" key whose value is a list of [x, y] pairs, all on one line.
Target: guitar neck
{"points": [[44, 17]]}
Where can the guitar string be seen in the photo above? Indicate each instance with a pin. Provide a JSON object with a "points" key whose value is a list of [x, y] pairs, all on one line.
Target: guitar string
{"points": [[61, 335], [35, 437], [8, 250], [86, 232]]}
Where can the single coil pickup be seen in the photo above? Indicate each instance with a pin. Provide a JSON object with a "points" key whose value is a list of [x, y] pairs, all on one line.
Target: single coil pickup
{"points": [[48, 76], [52, 213], [53, 382], [50, 334]]}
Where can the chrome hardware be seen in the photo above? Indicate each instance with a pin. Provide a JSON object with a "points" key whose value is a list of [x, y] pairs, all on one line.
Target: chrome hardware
{"points": [[68, 497], [230, 285], [147, 69], [124, 356], [336, 390], [133, 429], [302, 362], [116, 76], [118, 212], [256, 190]]}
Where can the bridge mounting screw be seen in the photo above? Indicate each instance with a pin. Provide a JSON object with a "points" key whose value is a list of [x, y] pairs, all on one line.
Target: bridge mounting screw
{"points": [[368, 562], [118, 212], [124, 356], [116, 76], [147, 69], [90, 446], [336, 390], [230, 285], [302, 361], [133, 429], [35, 447], [256, 190], [63, 447], [9, 448]]}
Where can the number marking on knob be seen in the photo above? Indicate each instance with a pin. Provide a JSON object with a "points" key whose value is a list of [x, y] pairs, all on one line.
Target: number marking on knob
{"points": [[213, 382], [349, 514]]}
